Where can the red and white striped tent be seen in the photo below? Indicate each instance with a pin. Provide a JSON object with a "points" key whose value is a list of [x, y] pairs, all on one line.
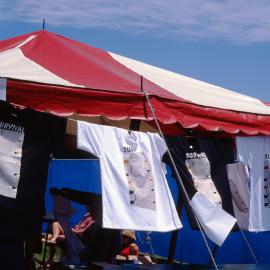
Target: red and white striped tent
{"points": [[49, 72]]}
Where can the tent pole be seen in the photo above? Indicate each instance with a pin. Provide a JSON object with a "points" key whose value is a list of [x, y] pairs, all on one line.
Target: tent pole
{"points": [[249, 247], [214, 251], [175, 233], [43, 24], [178, 178]]}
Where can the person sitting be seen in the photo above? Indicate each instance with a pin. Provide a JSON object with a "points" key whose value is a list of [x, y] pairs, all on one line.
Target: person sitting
{"points": [[57, 233], [101, 244], [128, 246], [70, 244], [130, 250], [79, 229]]}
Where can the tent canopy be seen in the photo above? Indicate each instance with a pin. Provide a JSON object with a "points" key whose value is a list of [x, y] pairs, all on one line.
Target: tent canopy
{"points": [[49, 72]]}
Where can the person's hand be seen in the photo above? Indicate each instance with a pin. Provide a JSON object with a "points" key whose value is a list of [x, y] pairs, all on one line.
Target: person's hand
{"points": [[55, 191]]}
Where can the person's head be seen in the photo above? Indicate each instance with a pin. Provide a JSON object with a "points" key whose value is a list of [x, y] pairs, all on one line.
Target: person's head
{"points": [[128, 236]]}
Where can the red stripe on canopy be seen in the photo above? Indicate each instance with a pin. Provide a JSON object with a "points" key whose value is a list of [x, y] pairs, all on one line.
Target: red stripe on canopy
{"points": [[173, 115]]}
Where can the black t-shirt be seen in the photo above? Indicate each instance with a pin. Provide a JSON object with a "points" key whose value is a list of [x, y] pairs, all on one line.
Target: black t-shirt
{"points": [[27, 140], [199, 162]]}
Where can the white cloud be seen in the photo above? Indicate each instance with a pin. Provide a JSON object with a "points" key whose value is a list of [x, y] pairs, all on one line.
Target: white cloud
{"points": [[241, 21]]}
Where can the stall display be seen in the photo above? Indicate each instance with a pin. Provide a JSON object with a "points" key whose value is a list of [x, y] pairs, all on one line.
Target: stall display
{"points": [[74, 79]]}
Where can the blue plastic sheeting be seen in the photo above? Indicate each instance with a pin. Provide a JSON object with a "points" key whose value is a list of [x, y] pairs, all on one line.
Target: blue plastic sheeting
{"points": [[84, 175]]}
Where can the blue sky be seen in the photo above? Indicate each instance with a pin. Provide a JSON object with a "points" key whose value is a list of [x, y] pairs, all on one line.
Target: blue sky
{"points": [[223, 42]]}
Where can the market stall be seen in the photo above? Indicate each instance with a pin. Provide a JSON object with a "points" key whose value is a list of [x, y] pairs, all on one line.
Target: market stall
{"points": [[47, 72]]}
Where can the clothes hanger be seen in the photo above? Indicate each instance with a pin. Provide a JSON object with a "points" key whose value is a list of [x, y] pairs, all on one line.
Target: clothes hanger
{"points": [[134, 125], [191, 138], [191, 141]]}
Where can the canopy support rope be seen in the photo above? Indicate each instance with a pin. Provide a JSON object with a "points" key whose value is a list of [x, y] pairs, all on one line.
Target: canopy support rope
{"points": [[178, 178], [249, 246]]}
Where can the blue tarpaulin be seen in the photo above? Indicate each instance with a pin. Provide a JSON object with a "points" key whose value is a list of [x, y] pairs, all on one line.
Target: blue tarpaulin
{"points": [[84, 175]]}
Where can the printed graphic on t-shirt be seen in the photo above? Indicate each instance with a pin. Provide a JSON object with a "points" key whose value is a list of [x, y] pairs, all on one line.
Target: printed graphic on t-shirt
{"points": [[11, 141], [140, 180], [199, 168], [267, 181], [238, 199]]}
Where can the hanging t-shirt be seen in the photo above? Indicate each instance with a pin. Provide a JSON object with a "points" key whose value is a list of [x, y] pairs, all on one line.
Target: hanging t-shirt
{"points": [[27, 140], [201, 163], [135, 193], [255, 153], [238, 176]]}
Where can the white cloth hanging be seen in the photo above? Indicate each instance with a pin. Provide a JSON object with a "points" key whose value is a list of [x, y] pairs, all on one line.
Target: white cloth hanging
{"points": [[255, 153], [238, 176], [135, 193], [215, 222]]}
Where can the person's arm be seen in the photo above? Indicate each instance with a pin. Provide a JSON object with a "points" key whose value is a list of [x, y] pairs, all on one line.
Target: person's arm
{"points": [[134, 249]]}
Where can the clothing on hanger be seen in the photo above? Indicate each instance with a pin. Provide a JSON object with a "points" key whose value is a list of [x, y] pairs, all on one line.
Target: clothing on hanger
{"points": [[135, 193], [203, 167], [27, 140], [201, 164], [254, 152], [239, 185]]}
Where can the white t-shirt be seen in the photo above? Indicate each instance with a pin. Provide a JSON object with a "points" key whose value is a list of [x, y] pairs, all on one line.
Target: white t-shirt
{"points": [[135, 193], [238, 177], [255, 153]]}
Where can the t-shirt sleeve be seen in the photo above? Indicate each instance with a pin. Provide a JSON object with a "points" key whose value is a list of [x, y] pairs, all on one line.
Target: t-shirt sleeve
{"points": [[90, 137], [160, 144]]}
